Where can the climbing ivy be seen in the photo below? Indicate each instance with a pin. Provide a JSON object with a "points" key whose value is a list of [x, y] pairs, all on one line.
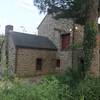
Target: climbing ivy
{"points": [[76, 45], [89, 44]]}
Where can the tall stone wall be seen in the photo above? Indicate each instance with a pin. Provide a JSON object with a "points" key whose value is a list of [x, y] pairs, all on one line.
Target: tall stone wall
{"points": [[53, 29]]}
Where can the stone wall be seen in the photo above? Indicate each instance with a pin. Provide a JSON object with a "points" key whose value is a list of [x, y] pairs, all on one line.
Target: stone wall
{"points": [[78, 34], [53, 29], [11, 55], [26, 62]]}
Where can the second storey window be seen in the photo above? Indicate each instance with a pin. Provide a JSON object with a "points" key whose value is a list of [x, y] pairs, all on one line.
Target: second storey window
{"points": [[65, 41], [39, 64]]}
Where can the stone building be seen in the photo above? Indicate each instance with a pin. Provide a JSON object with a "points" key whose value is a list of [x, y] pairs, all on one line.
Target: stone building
{"points": [[57, 47], [60, 32], [27, 55], [65, 34]]}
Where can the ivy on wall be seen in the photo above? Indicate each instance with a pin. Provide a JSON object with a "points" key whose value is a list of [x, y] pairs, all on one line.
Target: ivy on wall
{"points": [[89, 44]]}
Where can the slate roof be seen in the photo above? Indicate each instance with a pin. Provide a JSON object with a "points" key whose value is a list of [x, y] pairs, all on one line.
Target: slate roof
{"points": [[32, 41]]}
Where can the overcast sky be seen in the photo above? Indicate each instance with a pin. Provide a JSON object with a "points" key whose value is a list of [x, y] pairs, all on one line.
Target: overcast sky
{"points": [[19, 13]]}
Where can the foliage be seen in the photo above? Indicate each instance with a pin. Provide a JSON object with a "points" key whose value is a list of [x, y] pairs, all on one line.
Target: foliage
{"points": [[1, 39], [89, 43], [68, 86], [46, 90], [70, 77], [76, 9], [76, 45], [51, 89], [15, 91], [82, 89], [89, 88], [67, 8], [54, 5]]}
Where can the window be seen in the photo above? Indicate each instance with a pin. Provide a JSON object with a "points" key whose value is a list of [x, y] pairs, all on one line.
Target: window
{"points": [[81, 66], [38, 64], [65, 41], [58, 63]]}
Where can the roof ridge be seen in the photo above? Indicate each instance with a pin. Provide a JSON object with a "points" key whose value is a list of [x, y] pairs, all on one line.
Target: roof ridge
{"points": [[13, 32]]}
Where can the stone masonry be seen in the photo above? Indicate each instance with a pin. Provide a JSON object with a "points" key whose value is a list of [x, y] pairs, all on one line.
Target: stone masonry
{"points": [[22, 61], [53, 29], [26, 62]]}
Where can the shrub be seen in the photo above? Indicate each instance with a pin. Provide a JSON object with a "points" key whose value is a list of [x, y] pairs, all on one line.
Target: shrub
{"points": [[46, 90], [70, 77], [16, 91], [55, 87], [51, 89], [90, 89]]}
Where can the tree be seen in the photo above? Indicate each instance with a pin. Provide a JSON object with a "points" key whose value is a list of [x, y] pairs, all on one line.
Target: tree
{"points": [[69, 8], [84, 12], [91, 30]]}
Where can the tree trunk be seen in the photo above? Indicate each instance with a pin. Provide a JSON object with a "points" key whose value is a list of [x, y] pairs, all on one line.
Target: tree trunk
{"points": [[92, 20], [92, 10]]}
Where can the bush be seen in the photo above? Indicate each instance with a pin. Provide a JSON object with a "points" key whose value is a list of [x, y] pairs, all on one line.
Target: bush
{"points": [[80, 89], [89, 89], [16, 91], [70, 77], [56, 87], [46, 90]]}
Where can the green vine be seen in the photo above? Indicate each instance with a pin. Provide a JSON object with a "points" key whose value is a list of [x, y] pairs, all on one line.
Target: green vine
{"points": [[76, 45], [89, 44]]}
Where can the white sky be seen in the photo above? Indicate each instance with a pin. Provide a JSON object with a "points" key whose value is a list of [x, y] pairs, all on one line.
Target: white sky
{"points": [[99, 20], [19, 13]]}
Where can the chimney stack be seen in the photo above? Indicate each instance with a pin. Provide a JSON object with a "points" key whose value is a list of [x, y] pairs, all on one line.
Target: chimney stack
{"points": [[8, 28]]}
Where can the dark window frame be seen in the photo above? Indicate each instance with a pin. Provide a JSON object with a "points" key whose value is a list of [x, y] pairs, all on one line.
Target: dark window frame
{"points": [[39, 64], [58, 62], [66, 38]]}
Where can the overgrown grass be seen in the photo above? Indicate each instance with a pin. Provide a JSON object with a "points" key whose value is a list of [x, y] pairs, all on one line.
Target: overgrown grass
{"points": [[68, 86]]}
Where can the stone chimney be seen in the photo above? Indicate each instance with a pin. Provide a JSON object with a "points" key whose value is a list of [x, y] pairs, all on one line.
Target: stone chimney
{"points": [[8, 28]]}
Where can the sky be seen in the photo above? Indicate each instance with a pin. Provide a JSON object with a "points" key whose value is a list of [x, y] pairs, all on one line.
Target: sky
{"points": [[21, 14]]}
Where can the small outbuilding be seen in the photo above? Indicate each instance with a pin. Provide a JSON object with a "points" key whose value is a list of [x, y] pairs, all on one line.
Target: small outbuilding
{"points": [[26, 54]]}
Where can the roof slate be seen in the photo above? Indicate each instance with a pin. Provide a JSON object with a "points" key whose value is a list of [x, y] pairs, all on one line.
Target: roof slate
{"points": [[32, 41]]}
